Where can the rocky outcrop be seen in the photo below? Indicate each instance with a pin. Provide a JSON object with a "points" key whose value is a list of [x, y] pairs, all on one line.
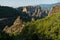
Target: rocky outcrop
{"points": [[15, 28], [24, 9], [54, 9], [37, 11], [29, 12]]}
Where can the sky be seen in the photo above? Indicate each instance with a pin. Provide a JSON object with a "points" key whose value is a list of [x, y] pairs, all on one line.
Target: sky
{"points": [[18, 3]]}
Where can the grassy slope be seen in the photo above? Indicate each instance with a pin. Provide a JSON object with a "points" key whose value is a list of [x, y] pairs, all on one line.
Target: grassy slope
{"points": [[45, 29]]}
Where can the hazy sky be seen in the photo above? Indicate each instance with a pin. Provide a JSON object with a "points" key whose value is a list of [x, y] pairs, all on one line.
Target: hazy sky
{"points": [[17, 3]]}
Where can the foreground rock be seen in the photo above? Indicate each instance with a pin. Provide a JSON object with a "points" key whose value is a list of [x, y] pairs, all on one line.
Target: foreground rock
{"points": [[15, 28]]}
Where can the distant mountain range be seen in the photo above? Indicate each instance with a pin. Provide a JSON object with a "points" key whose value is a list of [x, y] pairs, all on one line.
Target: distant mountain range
{"points": [[48, 6]]}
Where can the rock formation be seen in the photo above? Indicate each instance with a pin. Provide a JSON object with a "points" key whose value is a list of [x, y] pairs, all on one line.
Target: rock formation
{"points": [[54, 9], [15, 28], [29, 12], [24, 9]]}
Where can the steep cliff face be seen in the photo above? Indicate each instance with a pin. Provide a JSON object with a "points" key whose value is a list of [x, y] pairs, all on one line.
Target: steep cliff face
{"points": [[37, 11], [33, 12], [54, 9]]}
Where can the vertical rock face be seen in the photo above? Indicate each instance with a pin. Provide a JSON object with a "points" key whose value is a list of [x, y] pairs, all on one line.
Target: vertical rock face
{"points": [[29, 12], [15, 28], [37, 11], [54, 10], [30, 9]]}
